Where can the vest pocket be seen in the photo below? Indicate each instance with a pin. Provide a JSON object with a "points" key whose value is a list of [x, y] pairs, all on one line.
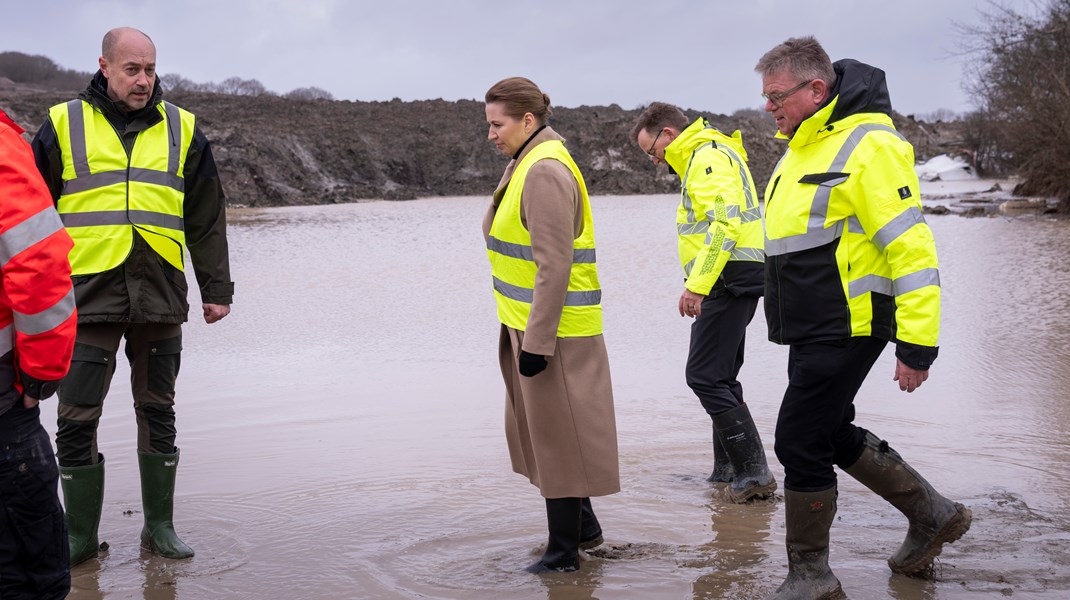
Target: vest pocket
{"points": [[165, 357]]}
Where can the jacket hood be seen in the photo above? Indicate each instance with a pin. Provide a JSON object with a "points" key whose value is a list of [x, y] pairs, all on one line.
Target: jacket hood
{"points": [[96, 93], [678, 153], [860, 88]]}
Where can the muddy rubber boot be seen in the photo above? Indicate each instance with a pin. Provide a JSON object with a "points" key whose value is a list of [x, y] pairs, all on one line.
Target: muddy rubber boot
{"points": [[563, 517], [590, 529], [934, 520], [83, 497], [158, 499], [743, 446], [722, 467], [809, 517]]}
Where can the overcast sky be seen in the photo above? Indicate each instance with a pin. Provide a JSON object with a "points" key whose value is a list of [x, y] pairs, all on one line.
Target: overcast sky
{"points": [[698, 54]]}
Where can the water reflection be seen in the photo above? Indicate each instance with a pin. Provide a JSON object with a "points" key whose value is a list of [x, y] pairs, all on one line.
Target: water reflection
{"points": [[342, 430]]}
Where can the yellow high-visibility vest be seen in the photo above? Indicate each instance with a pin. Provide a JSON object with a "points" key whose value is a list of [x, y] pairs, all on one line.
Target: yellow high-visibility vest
{"points": [[106, 194], [513, 266]]}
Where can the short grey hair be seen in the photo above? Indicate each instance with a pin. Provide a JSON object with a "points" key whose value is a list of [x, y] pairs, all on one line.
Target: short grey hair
{"points": [[803, 57]]}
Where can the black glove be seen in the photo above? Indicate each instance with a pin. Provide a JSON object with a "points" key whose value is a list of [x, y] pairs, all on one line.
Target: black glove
{"points": [[531, 364]]}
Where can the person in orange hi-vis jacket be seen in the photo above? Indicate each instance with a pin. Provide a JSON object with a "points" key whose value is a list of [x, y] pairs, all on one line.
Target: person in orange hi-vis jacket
{"points": [[37, 329]]}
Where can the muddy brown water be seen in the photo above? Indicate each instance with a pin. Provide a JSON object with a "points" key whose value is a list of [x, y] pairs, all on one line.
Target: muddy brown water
{"points": [[342, 437]]}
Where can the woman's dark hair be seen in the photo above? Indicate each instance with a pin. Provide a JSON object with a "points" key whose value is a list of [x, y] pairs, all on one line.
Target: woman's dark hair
{"points": [[519, 96]]}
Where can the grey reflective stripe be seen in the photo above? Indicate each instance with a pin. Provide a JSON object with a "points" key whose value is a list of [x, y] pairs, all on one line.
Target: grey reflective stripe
{"points": [[106, 178], [747, 191], [509, 249], [751, 215], [816, 233], [692, 228], [47, 319], [174, 135], [883, 285], [525, 295], [28, 233], [579, 255], [92, 181], [121, 217], [748, 254], [583, 255], [158, 177], [76, 129], [7, 339], [897, 227], [728, 245], [732, 211], [854, 225], [690, 265]]}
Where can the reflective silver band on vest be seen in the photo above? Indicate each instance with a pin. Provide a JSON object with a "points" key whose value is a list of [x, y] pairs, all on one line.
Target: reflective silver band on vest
{"points": [[898, 226], [579, 255], [7, 339], [76, 126], [526, 295], [174, 135], [748, 254], [816, 233], [905, 284], [106, 178], [122, 217], [84, 180], [47, 319], [28, 233]]}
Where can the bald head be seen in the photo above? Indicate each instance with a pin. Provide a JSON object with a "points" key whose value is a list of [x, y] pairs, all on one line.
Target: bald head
{"points": [[128, 62], [120, 35]]}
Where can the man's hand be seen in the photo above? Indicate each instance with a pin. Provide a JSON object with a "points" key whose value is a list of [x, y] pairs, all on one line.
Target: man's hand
{"points": [[909, 379], [215, 312], [531, 364], [691, 303], [28, 401]]}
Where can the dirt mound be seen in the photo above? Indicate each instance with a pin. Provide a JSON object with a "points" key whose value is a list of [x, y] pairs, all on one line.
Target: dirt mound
{"points": [[275, 151]]}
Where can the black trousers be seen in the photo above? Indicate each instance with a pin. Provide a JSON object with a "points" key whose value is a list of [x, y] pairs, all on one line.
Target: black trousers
{"points": [[718, 337], [815, 428], [34, 555]]}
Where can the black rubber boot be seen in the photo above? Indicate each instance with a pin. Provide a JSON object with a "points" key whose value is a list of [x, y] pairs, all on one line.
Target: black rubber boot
{"points": [[563, 516], [809, 517], [741, 442], [934, 520], [590, 529], [83, 497], [723, 472], [158, 499]]}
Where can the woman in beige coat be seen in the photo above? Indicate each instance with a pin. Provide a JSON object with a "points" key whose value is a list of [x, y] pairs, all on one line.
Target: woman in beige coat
{"points": [[559, 420]]}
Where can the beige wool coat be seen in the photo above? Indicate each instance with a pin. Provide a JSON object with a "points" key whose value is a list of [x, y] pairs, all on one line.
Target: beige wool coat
{"points": [[559, 425]]}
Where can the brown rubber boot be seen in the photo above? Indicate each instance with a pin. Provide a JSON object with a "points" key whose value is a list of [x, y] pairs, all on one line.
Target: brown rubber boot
{"points": [[809, 517], [934, 520]]}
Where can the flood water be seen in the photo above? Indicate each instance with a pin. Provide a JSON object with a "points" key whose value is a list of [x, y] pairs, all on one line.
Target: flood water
{"points": [[342, 434]]}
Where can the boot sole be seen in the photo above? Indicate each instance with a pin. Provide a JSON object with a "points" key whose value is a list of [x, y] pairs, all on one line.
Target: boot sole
{"points": [[750, 493], [955, 528], [592, 543]]}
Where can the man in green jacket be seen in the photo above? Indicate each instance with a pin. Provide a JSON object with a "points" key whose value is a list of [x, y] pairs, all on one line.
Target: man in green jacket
{"points": [[719, 234], [135, 183]]}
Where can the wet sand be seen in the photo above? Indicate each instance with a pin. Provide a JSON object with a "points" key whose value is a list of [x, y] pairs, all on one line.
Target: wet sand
{"points": [[342, 437]]}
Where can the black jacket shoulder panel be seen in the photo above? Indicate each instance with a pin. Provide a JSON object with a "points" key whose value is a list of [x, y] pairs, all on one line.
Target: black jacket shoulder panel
{"points": [[860, 88]]}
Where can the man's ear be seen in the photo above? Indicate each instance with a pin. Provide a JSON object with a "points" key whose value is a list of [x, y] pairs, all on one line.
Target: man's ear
{"points": [[103, 66]]}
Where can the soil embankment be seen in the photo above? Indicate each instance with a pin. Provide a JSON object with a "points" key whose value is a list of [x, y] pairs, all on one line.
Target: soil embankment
{"points": [[274, 151]]}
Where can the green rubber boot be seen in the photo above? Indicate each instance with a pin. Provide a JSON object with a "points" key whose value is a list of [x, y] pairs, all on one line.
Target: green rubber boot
{"points": [[158, 499], [83, 497]]}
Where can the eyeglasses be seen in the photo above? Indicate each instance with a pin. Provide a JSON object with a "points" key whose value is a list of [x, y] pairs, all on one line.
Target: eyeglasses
{"points": [[650, 150], [778, 98]]}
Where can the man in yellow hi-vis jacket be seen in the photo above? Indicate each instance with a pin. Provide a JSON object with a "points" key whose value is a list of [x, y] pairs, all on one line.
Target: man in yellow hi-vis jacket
{"points": [[719, 233], [850, 266]]}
